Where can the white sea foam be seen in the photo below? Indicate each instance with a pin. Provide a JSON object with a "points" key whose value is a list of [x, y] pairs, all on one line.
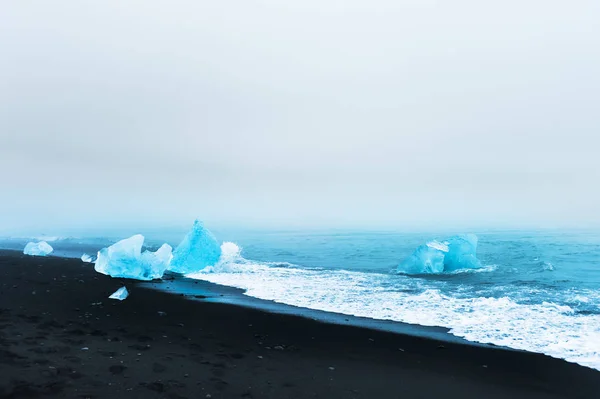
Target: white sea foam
{"points": [[548, 266], [484, 269], [546, 327]]}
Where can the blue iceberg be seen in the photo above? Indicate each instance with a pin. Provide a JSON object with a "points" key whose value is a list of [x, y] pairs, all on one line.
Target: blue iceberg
{"points": [[126, 259], [455, 253], [198, 249], [41, 248]]}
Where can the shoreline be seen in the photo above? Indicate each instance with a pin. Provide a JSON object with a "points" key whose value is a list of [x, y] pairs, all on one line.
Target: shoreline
{"points": [[61, 335], [176, 284], [202, 290]]}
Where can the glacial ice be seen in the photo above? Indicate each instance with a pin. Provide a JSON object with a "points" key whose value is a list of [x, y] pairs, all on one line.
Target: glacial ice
{"points": [[41, 248], [458, 252], [126, 259], [86, 258], [120, 294], [198, 249]]}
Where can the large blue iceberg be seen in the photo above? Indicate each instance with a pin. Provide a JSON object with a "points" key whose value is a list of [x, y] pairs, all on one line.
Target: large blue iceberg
{"points": [[198, 249], [126, 259], [41, 248], [458, 252]]}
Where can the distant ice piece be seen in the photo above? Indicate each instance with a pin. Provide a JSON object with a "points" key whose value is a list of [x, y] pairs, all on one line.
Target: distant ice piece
{"points": [[458, 252], [126, 259], [198, 250], [86, 258], [41, 248], [120, 294]]}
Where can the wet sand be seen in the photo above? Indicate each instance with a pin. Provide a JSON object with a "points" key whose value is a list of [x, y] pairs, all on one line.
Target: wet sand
{"points": [[60, 335]]}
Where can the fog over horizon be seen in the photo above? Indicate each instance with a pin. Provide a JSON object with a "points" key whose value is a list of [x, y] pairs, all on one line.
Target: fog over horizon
{"points": [[392, 114]]}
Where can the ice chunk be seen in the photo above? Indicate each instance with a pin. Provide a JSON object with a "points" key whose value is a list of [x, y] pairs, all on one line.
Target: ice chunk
{"points": [[126, 259], [462, 253], [458, 252], [198, 250], [428, 258], [41, 248], [120, 294], [86, 258]]}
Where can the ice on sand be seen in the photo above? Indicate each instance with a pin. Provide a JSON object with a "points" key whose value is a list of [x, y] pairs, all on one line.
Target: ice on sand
{"points": [[120, 294], [458, 252], [126, 259], [41, 248], [198, 250], [86, 258]]}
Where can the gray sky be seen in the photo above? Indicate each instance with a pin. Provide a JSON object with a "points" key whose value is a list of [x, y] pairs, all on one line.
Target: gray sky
{"points": [[322, 113]]}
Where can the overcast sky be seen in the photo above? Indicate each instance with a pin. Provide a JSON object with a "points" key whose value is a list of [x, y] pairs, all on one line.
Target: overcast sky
{"points": [[283, 113]]}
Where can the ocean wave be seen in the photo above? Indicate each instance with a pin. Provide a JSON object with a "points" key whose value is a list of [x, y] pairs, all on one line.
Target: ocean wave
{"points": [[547, 327], [484, 269]]}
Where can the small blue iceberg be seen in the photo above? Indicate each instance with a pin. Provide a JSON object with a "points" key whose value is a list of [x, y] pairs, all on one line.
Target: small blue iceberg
{"points": [[41, 248], [455, 253], [125, 259], [198, 249]]}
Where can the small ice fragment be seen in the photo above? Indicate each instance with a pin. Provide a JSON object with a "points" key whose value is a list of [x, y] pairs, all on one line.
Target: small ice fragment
{"points": [[86, 258], [548, 266], [120, 294], [85, 348], [41, 248]]}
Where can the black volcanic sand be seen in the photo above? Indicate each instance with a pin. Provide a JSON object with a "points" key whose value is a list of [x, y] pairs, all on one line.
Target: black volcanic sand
{"points": [[61, 336]]}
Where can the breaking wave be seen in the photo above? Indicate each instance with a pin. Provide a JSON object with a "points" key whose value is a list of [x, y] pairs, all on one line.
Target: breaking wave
{"points": [[545, 327]]}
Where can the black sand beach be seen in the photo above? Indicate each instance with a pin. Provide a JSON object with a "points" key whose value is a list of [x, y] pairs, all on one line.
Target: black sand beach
{"points": [[61, 336]]}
